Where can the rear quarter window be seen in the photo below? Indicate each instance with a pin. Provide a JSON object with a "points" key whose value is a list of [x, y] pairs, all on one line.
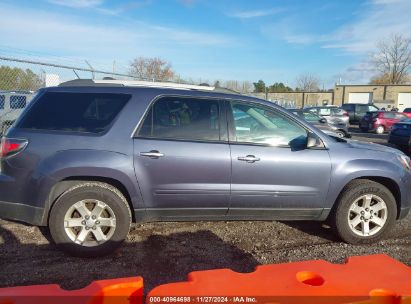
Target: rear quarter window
{"points": [[74, 112]]}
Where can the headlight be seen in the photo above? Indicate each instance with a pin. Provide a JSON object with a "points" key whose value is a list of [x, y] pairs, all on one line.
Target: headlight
{"points": [[404, 160]]}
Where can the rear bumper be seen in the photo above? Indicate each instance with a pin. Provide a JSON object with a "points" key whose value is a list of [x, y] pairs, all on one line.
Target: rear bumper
{"points": [[23, 213]]}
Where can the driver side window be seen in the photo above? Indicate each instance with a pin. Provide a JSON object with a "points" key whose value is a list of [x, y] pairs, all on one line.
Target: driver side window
{"points": [[259, 125]]}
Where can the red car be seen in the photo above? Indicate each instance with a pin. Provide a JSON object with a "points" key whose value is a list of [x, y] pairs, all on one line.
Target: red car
{"points": [[380, 121]]}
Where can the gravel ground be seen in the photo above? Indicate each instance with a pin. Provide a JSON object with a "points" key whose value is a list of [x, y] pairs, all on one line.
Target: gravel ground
{"points": [[167, 252]]}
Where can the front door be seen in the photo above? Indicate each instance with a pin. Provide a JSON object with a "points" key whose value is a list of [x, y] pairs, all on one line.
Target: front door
{"points": [[274, 175], [182, 160]]}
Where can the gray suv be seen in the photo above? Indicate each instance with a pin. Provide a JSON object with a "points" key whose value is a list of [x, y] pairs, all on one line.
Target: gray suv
{"points": [[88, 158]]}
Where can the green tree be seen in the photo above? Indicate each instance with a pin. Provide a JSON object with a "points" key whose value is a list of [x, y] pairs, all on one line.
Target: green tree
{"points": [[19, 79], [279, 87], [259, 87]]}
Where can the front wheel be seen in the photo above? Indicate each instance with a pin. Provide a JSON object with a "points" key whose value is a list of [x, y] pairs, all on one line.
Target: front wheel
{"points": [[90, 219], [365, 213], [340, 133]]}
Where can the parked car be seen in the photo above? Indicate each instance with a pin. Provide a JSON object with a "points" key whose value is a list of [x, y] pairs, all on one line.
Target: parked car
{"points": [[380, 121], [407, 112], [400, 135], [340, 130], [333, 114], [356, 111], [12, 104], [87, 158]]}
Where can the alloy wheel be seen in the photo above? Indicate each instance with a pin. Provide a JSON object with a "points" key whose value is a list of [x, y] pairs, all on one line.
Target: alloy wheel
{"points": [[90, 223], [367, 215]]}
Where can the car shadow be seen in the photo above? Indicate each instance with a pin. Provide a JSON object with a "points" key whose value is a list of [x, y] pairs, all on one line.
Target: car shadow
{"points": [[314, 228], [158, 259]]}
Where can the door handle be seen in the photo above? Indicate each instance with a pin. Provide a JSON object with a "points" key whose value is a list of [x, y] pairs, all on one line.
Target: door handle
{"points": [[249, 158], [152, 154]]}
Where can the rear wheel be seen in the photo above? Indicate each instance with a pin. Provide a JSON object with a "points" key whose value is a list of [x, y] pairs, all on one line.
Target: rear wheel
{"points": [[380, 130], [90, 219], [366, 211]]}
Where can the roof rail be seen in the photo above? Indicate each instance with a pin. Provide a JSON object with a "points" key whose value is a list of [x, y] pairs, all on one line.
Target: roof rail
{"points": [[135, 83]]}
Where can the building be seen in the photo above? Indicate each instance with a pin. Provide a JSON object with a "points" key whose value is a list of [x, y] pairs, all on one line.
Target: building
{"points": [[387, 96]]}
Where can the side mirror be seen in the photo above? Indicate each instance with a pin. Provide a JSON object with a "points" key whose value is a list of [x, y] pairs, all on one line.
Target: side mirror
{"points": [[323, 120], [312, 141]]}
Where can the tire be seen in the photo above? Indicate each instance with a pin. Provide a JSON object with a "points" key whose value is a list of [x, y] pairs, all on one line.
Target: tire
{"points": [[342, 217], [340, 133], [380, 130], [90, 236]]}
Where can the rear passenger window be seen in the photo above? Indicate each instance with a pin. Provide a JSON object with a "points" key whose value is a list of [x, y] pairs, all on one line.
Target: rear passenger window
{"points": [[18, 102], [182, 118], [74, 112], [2, 101]]}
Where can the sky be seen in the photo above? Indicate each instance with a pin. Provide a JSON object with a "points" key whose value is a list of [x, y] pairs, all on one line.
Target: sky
{"points": [[206, 40]]}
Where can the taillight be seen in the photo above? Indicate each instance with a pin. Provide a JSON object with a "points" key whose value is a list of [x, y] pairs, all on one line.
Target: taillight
{"points": [[11, 146], [346, 114]]}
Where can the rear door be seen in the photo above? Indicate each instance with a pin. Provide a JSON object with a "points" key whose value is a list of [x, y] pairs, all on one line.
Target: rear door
{"points": [[360, 111], [274, 175], [182, 158]]}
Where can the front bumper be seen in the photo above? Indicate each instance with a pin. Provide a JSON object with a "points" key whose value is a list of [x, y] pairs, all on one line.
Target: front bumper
{"points": [[22, 213]]}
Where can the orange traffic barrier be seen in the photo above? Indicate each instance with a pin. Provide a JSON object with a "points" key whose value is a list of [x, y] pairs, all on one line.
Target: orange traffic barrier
{"points": [[374, 279], [116, 291]]}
